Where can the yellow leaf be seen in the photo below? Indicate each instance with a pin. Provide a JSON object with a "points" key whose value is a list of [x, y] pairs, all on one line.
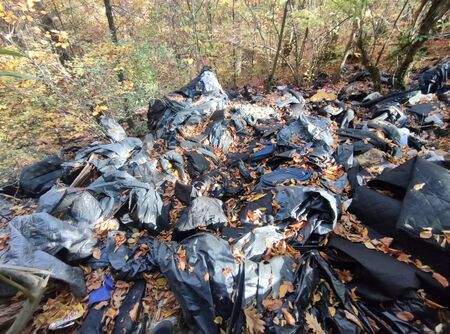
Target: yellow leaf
{"points": [[418, 186], [218, 320], [332, 310], [353, 318], [369, 245], [161, 282], [426, 234], [256, 197]]}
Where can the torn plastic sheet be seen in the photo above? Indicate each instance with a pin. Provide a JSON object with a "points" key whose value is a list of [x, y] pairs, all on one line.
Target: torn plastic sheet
{"points": [[312, 274], [305, 132], [103, 293], [36, 239], [212, 279], [41, 176], [265, 152], [129, 311], [169, 114], [252, 114], [220, 137], [117, 188], [71, 205], [377, 269], [115, 155], [435, 78], [255, 243], [197, 164], [172, 161], [314, 205], [281, 175], [421, 202], [202, 212], [113, 130]]}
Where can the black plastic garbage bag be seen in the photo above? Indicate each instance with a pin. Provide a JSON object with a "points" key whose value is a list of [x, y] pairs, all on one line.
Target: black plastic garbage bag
{"points": [[220, 137], [281, 175], [204, 211], [197, 164], [168, 114], [41, 176], [201, 300], [115, 189], [205, 82], [37, 239], [435, 78], [316, 206], [306, 131], [126, 322], [71, 205], [312, 272], [254, 244], [172, 161], [252, 114], [373, 269], [264, 278], [420, 202], [113, 129], [114, 155]]}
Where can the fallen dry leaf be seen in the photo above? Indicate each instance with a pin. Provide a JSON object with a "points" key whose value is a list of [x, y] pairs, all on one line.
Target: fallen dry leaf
{"points": [[206, 277], [441, 279], [332, 310], [426, 234], [353, 318], [373, 324], [122, 285], [344, 275], [254, 322], [97, 253], [120, 240], [404, 315], [4, 238], [418, 186], [101, 305], [313, 324], [289, 318], [134, 312], [433, 305], [272, 304], [182, 259], [285, 288]]}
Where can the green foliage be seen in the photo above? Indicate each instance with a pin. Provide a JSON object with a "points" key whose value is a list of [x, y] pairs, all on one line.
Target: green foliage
{"points": [[10, 53]]}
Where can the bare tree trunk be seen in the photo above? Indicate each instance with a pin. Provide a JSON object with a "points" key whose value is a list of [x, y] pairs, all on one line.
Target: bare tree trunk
{"points": [[237, 52], [337, 73], [111, 25], [120, 74], [373, 70], [417, 12], [194, 23], [435, 12], [280, 43], [112, 30], [302, 52]]}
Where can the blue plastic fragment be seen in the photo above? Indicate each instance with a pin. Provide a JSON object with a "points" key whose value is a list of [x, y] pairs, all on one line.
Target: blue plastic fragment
{"points": [[103, 293]]}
